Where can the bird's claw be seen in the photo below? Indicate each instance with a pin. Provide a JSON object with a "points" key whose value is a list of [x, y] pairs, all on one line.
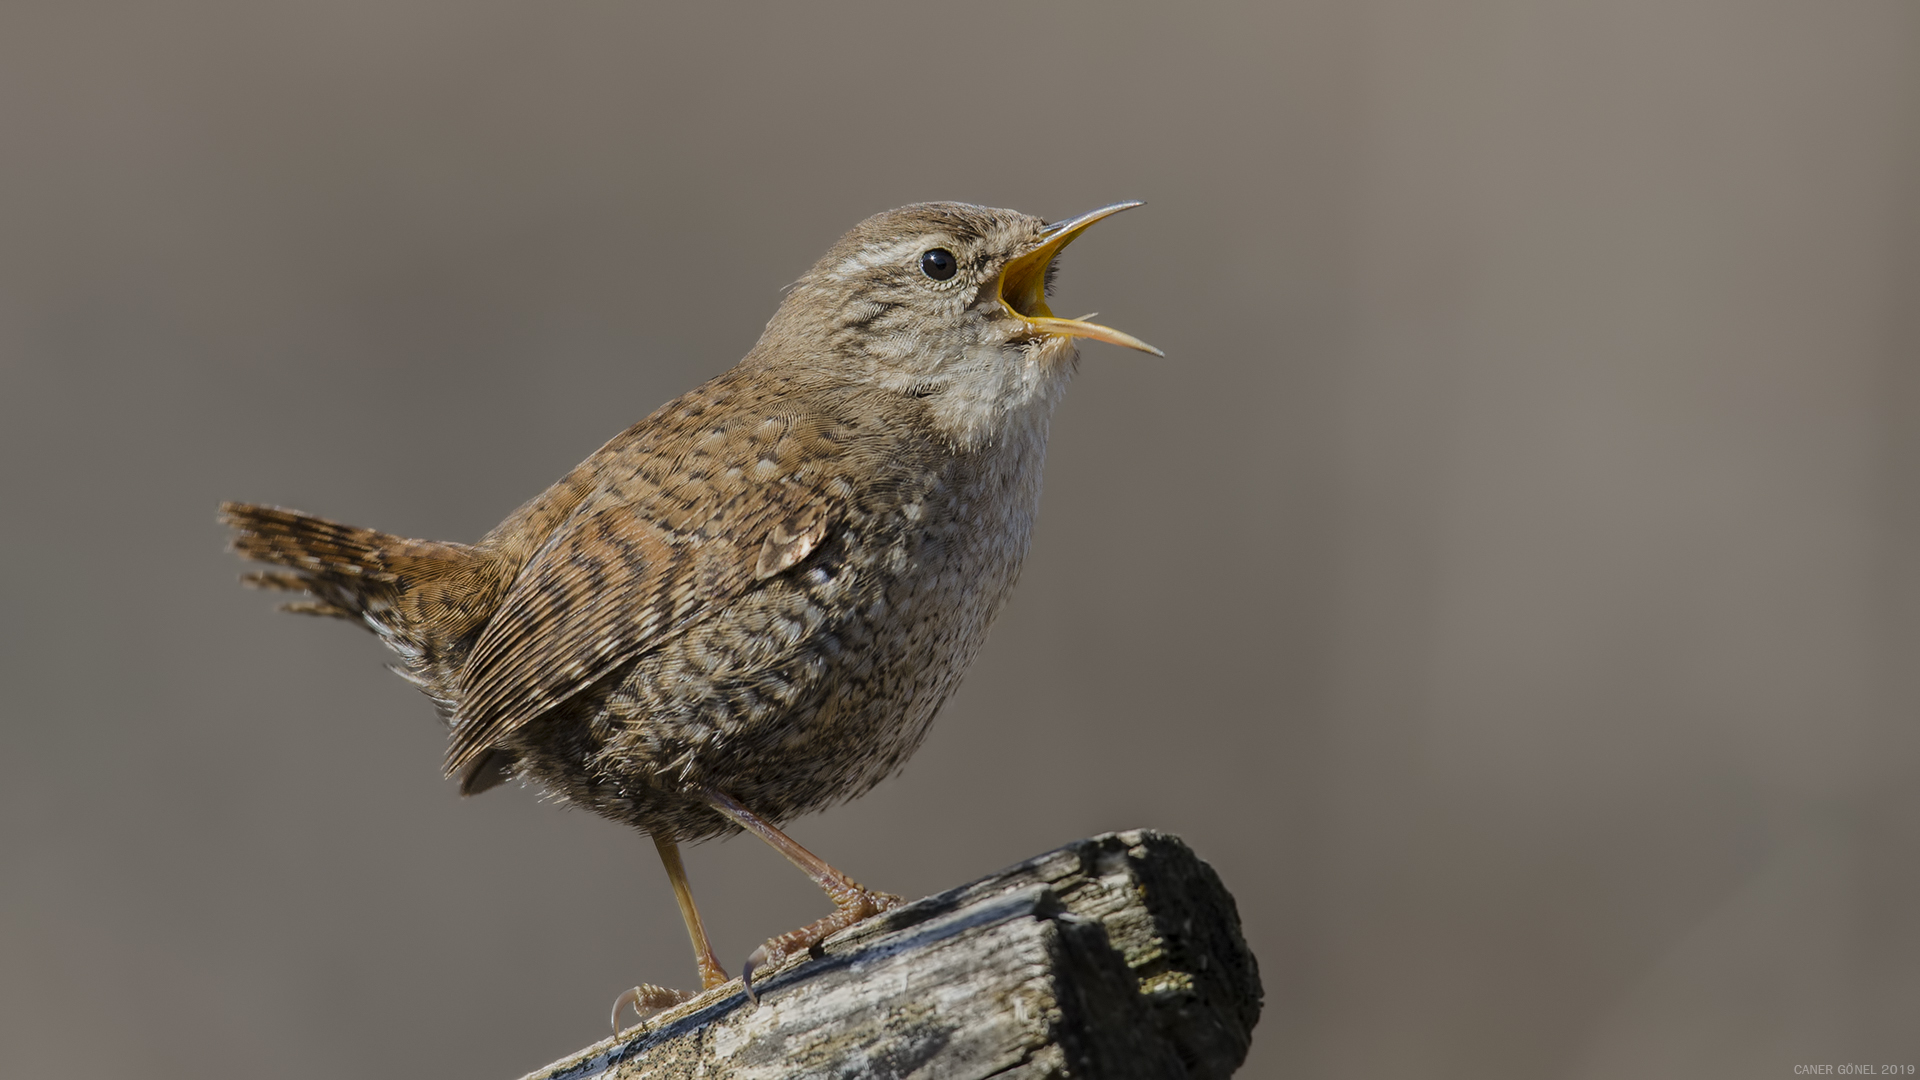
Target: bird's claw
{"points": [[856, 907], [755, 959], [647, 999]]}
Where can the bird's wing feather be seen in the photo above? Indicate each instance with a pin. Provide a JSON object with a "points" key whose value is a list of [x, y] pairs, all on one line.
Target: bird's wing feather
{"points": [[663, 545]]}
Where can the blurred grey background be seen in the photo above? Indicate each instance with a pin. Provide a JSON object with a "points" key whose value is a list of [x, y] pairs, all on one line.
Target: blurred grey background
{"points": [[1510, 580]]}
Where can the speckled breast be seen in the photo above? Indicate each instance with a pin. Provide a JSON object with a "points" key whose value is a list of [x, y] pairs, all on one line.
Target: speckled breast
{"points": [[814, 687]]}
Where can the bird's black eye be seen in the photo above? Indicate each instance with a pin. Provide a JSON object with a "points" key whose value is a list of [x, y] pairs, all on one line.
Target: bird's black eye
{"points": [[938, 264]]}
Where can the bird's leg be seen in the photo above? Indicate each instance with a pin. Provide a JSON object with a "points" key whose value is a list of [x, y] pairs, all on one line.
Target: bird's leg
{"points": [[852, 901], [711, 973], [648, 998]]}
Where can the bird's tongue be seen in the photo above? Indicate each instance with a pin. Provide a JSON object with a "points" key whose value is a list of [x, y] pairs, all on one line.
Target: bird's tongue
{"points": [[1023, 286]]}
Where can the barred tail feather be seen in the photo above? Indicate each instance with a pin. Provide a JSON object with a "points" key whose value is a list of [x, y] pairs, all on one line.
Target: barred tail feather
{"points": [[309, 544], [425, 599], [343, 568], [346, 571]]}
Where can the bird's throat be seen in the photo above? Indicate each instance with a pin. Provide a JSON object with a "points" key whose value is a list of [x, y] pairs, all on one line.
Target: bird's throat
{"points": [[984, 399]]}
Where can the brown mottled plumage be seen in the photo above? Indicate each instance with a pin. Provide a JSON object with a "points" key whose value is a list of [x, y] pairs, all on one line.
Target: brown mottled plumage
{"points": [[750, 604]]}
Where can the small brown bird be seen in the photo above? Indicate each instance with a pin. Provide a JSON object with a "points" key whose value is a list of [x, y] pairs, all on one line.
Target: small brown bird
{"points": [[749, 605]]}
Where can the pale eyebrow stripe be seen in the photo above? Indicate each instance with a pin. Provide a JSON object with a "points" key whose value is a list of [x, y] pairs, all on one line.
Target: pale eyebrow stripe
{"points": [[886, 256]]}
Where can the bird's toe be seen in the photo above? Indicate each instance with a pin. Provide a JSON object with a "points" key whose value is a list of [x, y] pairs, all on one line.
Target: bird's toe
{"points": [[645, 1000]]}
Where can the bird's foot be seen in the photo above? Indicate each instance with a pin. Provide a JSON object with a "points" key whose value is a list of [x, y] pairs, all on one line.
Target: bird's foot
{"points": [[647, 999], [850, 907]]}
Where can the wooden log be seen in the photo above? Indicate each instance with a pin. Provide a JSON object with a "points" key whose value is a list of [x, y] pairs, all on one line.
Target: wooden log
{"points": [[1118, 957]]}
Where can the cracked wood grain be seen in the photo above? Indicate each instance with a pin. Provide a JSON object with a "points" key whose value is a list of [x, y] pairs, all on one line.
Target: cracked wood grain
{"points": [[1118, 956]]}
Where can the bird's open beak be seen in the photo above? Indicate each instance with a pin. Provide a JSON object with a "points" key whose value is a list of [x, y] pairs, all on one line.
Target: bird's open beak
{"points": [[1023, 285]]}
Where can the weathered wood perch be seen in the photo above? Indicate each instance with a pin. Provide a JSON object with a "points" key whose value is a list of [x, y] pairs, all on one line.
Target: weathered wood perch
{"points": [[1118, 956]]}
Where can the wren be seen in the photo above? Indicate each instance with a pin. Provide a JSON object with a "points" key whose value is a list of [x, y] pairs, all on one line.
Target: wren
{"points": [[751, 604]]}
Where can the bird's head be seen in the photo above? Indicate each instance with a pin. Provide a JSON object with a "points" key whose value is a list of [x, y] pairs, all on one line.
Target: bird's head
{"points": [[944, 301]]}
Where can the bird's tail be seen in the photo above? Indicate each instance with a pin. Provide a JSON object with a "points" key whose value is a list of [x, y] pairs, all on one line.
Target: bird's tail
{"points": [[389, 584], [346, 571], [426, 599]]}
